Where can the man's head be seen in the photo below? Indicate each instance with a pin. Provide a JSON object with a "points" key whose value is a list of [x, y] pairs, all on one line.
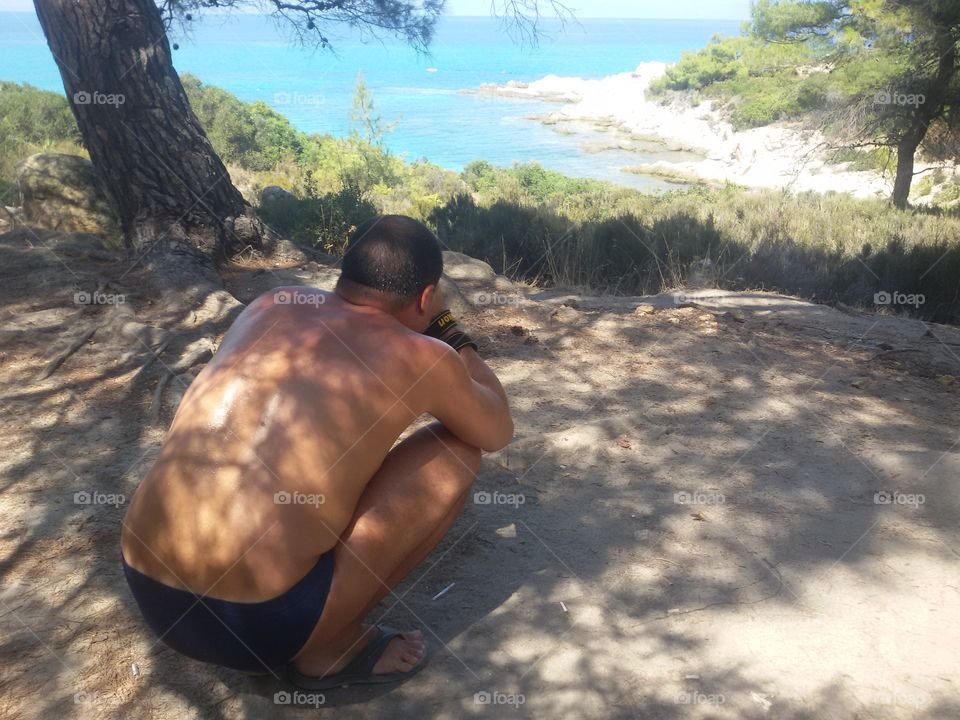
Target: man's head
{"points": [[394, 263]]}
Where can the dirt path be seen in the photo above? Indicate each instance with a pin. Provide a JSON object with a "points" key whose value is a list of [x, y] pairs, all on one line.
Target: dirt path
{"points": [[692, 521]]}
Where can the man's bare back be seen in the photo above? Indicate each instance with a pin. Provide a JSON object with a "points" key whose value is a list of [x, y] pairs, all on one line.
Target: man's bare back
{"points": [[297, 405], [280, 450]]}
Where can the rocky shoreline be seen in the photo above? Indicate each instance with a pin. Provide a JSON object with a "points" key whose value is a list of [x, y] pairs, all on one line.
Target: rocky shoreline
{"points": [[780, 156]]}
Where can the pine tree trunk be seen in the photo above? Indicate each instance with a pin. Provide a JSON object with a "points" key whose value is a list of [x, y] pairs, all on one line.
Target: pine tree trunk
{"points": [[176, 201], [906, 152], [925, 113]]}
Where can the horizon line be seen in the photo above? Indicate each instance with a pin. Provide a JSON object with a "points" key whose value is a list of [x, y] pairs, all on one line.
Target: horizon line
{"points": [[485, 17]]}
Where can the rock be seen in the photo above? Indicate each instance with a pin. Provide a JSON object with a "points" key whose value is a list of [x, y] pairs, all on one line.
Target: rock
{"points": [[176, 389], [63, 192], [861, 383], [9, 218], [645, 309], [453, 298], [947, 380], [80, 244], [275, 194], [458, 266], [504, 284], [564, 314]]}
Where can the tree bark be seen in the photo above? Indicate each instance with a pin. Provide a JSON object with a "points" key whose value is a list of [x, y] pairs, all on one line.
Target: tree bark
{"points": [[176, 202], [906, 154], [931, 108]]}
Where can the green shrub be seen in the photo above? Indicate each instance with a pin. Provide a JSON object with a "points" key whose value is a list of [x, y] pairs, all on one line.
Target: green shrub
{"points": [[29, 115], [823, 247], [322, 220], [878, 159], [536, 224], [949, 193], [250, 135], [720, 60]]}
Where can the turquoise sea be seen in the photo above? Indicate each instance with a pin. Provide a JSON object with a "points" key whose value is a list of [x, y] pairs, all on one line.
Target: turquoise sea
{"points": [[255, 59]]}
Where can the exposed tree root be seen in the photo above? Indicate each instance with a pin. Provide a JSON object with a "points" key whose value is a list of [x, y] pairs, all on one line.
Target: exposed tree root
{"points": [[198, 352], [56, 362]]}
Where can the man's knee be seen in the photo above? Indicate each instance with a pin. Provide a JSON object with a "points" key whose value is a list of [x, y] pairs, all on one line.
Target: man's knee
{"points": [[470, 457], [464, 458]]}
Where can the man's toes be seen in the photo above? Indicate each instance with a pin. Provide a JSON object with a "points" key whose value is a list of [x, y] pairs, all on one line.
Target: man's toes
{"points": [[414, 647]]}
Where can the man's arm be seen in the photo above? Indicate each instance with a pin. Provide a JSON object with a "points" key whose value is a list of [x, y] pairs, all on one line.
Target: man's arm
{"points": [[469, 400]]}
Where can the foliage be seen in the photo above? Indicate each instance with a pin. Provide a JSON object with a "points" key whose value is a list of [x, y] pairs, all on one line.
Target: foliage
{"points": [[370, 162], [839, 57], [880, 159], [30, 115], [823, 247], [758, 82], [251, 135], [324, 220], [310, 19], [536, 224], [31, 121]]}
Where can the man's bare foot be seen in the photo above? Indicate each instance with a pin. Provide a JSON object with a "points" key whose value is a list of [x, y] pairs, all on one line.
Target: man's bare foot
{"points": [[400, 656]]}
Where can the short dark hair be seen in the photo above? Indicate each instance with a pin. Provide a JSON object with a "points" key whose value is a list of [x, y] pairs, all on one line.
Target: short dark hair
{"points": [[394, 254]]}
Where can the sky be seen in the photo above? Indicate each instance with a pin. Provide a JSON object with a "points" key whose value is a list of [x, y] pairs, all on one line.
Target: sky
{"points": [[675, 9], [708, 9]]}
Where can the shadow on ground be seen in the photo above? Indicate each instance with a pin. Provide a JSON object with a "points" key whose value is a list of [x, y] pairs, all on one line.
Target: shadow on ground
{"points": [[686, 526]]}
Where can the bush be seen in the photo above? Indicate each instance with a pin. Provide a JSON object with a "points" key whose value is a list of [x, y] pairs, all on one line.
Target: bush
{"points": [[30, 116], [823, 247], [320, 220], [250, 135], [536, 224]]}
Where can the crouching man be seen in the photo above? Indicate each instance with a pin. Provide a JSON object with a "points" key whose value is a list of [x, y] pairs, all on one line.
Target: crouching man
{"points": [[281, 510]]}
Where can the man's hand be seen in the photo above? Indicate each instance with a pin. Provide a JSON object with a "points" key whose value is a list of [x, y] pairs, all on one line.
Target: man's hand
{"points": [[444, 327]]}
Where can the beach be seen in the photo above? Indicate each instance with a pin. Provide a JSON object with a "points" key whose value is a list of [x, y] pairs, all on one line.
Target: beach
{"points": [[780, 156]]}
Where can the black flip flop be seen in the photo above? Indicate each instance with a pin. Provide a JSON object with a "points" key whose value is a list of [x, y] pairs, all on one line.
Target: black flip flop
{"points": [[359, 671]]}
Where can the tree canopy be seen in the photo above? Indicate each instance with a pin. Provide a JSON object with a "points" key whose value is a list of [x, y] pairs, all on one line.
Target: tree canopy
{"points": [[873, 73], [413, 20]]}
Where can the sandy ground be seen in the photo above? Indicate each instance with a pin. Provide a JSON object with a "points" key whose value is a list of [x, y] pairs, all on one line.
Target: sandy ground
{"points": [[742, 507], [782, 155]]}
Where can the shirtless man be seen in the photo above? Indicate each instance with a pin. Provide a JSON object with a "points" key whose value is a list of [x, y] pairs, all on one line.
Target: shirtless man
{"points": [[280, 511]]}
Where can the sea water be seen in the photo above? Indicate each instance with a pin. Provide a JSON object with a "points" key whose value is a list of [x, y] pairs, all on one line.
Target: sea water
{"points": [[256, 59]]}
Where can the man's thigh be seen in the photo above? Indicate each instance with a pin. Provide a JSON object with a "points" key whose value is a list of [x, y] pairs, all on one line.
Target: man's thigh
{"points": [[421, 481]]}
